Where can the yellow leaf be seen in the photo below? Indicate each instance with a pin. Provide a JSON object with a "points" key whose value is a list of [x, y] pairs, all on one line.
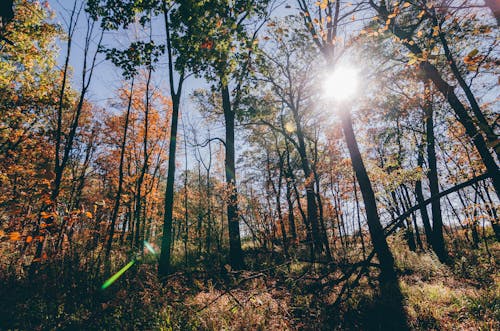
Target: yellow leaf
{"points": [[473, 52], [406, 5]]}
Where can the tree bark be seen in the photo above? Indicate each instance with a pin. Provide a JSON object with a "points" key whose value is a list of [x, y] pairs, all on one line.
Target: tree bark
{"points": [[420, 199], [235, 252], [388, 274], [389, 285], [312, 207], [437, 219], [164, 263], [116, 207]]}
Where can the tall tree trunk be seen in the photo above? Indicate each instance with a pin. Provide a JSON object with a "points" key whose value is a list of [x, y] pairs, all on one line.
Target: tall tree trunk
{"points": [[116, 207], [413, 216], [289, 177], [388, 274], [389, 286], [437, 220], [358, 217], [277, 193], [166, 242], [312, 207], [235, 252], [320, 204], [164, 262], [186, 212], [420, 199]]}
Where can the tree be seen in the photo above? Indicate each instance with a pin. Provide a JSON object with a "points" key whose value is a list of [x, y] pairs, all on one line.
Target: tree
{"points": [[286, 70], [324, 33], [430, 72], [116, 207], [217, 36]]}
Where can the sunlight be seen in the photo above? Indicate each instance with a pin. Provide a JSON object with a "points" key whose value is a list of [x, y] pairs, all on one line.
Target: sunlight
{"points": [[341, 84]]}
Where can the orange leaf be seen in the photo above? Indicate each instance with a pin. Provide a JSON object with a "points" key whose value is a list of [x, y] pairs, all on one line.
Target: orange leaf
{"points": [[14, 236], [29, 239]]}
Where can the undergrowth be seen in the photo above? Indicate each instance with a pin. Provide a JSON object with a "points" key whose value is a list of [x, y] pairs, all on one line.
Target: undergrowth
{"points": [[272, 294]]}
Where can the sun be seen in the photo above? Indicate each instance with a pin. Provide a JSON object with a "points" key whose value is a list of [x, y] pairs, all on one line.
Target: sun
{"points": [[342, 84]]}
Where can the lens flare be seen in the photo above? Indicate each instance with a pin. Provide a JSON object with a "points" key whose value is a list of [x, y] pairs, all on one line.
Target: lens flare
{"points": [[149, 247], [120, 272]]}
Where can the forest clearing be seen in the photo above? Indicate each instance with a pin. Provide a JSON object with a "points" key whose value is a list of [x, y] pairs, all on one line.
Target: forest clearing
{"points": [[249, 165]]}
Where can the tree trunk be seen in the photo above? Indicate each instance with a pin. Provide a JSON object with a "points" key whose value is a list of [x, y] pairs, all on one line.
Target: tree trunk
{"points": [[358, 216], [289, 178], [116, 207], [166, 242], [164, 262], [420, 199], [437, 220], [389, 286], [312, 207], [388, 274], [235, 252]]}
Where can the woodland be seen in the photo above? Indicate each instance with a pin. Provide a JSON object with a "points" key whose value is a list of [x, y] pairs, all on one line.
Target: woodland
{"points": [[249, 165]]}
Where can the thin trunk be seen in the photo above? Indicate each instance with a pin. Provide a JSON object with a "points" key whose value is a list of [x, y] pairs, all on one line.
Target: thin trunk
{"points": [[320, 204], [289, 178], [438, 243], [358, 217], [312, 208], [235, 252], [277, 193], [411, 234], [116, 207], [166, 243], [186, 213], [495, 221], [420, 199], [164, 262]]}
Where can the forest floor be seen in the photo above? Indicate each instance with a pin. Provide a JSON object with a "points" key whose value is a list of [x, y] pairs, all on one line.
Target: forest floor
{"points": [[270, 295]]}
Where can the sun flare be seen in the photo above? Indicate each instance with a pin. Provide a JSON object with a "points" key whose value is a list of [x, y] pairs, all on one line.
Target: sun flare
{"points": [[341, 84]]}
